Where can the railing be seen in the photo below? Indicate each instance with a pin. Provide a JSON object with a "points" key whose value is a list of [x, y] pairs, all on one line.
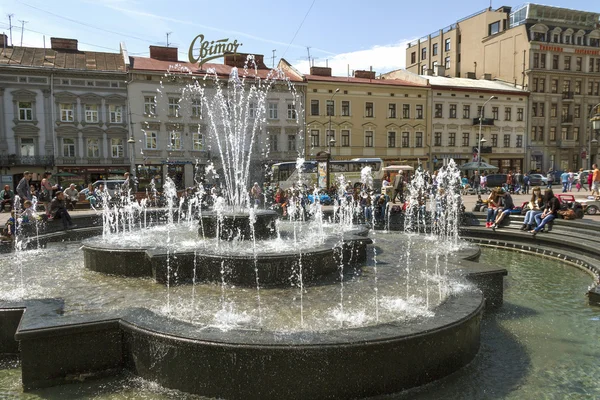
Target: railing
{"points": [[12, 159], [567, 119], [567, 95], [484, 121]]}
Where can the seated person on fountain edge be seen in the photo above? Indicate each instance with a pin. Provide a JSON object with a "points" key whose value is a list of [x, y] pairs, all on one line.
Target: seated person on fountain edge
{"points": [[507, 207], [59, 211]]}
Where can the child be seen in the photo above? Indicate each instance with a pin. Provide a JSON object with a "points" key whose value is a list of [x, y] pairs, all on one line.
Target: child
{"points": [[28, 214], [9, 229]]}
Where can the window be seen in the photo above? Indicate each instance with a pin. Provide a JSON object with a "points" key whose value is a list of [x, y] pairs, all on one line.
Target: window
{"points": [[543, 60], [330, 108], [541, 133], [552, 134], [553, 110], [413, 57], [564, 134], [577, 87], [392, 110], [25, 111], [150, 105], [68, 147], [423, 69], [437, 139], [554, 86], [66, 112], [391, 139], [534, 85], [419, 139], [536, 60], [151, 140], [405, 139], [345, 138], [507, 113], [447, 62], [423, 53], [451, 139], [273, 110], [314, 107], [555, 61], [452, 110], [533, 133], [291, 142], [314, 138], [567, 63], [439, 110], [597, 64], [291, 111], [405, 111], [566, 86], [196, 108], [542, 87], [419, 111], [252, 110], [173, 107], [369, 139], [434, 49], [197, 141], [534, 110], [494, 140], [447, 45], [495, 113], [369, 110], [116, 148], [175, 141], [116, 114], [274, 144], [465, 141], [506, 140], [519, 141], [27, 147], [519, 114], [91, 113], [591, 68], [329, 135], [480, 112], [345, 108], [578, 64], [577, 111], [493, 28], [576, 133], [466, 111], [93, 148], [541, 109]]}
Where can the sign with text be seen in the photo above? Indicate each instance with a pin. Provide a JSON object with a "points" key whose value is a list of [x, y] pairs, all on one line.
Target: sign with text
{"points": [[202, 50]]}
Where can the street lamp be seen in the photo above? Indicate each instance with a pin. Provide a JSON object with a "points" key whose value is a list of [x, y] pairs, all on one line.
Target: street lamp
{"points": [[331, 141], [131, 143], [595, 120], [479, 138]]}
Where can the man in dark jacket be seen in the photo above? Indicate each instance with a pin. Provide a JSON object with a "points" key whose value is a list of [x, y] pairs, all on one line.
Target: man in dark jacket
{"points": [[23, 187], [58, 210], [6, 197], [398, 187]]}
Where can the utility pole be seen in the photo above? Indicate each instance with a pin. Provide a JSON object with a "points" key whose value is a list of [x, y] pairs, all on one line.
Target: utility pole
{"points": [[273, 59], [22, 29], [308, 51], [10, 26], [168, 33]]}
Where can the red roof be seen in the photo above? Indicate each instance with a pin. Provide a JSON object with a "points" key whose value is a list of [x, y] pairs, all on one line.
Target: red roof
{"points": [[62, 59], [150, 64], [392, 82]]}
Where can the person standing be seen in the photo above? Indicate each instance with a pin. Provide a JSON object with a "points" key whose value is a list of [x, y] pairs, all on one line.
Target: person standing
{"points": [[550, 177], [564, 180], [510, 181], [526, 183], [398, 188], [595, 181], [476, 181], [23, 187], [46, 189], [7, 196], [571, 179]]}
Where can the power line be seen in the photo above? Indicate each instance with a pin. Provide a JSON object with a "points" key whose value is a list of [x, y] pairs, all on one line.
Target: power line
{"points": [[298, 30]]}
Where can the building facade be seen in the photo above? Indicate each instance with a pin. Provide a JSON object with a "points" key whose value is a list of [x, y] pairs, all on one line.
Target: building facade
{"points": [[62, 110], [552, 52], [365, 117], [174, 135]]}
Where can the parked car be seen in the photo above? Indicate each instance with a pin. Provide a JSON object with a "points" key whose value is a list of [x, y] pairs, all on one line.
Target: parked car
{"points": [[495, 180], [591, 206], [112, 186], [538, 180]]}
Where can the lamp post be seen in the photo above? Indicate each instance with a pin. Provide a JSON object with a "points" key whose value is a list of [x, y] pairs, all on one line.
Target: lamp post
{"points": [[595, 120], [479, 138], [330, 140], [131, 143]]}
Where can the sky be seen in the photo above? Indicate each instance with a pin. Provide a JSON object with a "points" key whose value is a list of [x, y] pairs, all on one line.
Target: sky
{"points": [[344, 35]]}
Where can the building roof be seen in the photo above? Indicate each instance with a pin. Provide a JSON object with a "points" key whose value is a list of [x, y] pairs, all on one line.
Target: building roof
{"points": [[62, 59], [481, 85], [141, 64], [377, 81]]}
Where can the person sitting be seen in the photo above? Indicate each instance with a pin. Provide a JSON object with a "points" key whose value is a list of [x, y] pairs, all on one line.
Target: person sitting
{"points": [[507, 207], [8, 233], [492, 208], [7, 196], [59, 211], [29, 214], [71, 196], [551, 207], [535, 207]]}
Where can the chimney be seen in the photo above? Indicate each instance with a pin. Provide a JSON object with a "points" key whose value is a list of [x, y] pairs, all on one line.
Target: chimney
{"points": [[3, 40], [239, 60], [163, 53], [63, 44], [487, 77], [320, 71], [440, 70], [429, 72], [471, 75], [364, 74]]}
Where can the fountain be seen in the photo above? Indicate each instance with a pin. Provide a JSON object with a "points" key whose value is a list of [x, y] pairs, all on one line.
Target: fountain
{"points": [[234, 303]]}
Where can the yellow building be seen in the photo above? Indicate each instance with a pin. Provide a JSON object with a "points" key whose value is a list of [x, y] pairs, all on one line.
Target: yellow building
{"points": [[362, 116]]}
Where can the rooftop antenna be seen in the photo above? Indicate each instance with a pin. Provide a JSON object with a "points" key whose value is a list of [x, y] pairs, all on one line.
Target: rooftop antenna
{"points": [[308, 51], [10, 26], [273, 58], [22, 28], [168, 33]]}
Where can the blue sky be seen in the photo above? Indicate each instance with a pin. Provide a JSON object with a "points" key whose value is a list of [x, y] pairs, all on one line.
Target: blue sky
{"points": [[341, 33]]}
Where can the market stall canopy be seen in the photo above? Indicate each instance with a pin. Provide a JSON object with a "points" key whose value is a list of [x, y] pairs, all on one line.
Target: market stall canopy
{"points": [[64, 174], [398, 168], [476, 166]]}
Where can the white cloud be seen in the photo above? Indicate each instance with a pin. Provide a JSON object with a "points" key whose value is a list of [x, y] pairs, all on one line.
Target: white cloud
{"points": [[382, 58]]}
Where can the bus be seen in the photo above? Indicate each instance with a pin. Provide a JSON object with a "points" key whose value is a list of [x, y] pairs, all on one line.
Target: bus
{"points": [[285, 174]]}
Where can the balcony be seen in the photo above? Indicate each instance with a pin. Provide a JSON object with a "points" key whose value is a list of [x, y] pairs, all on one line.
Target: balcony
{"points": [[567, 119], [13, 160], [484, 121], [568, 96], [567, 144]]}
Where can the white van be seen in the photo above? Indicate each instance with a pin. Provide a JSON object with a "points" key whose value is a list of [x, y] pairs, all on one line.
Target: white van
{"points": [[113, 187]]}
